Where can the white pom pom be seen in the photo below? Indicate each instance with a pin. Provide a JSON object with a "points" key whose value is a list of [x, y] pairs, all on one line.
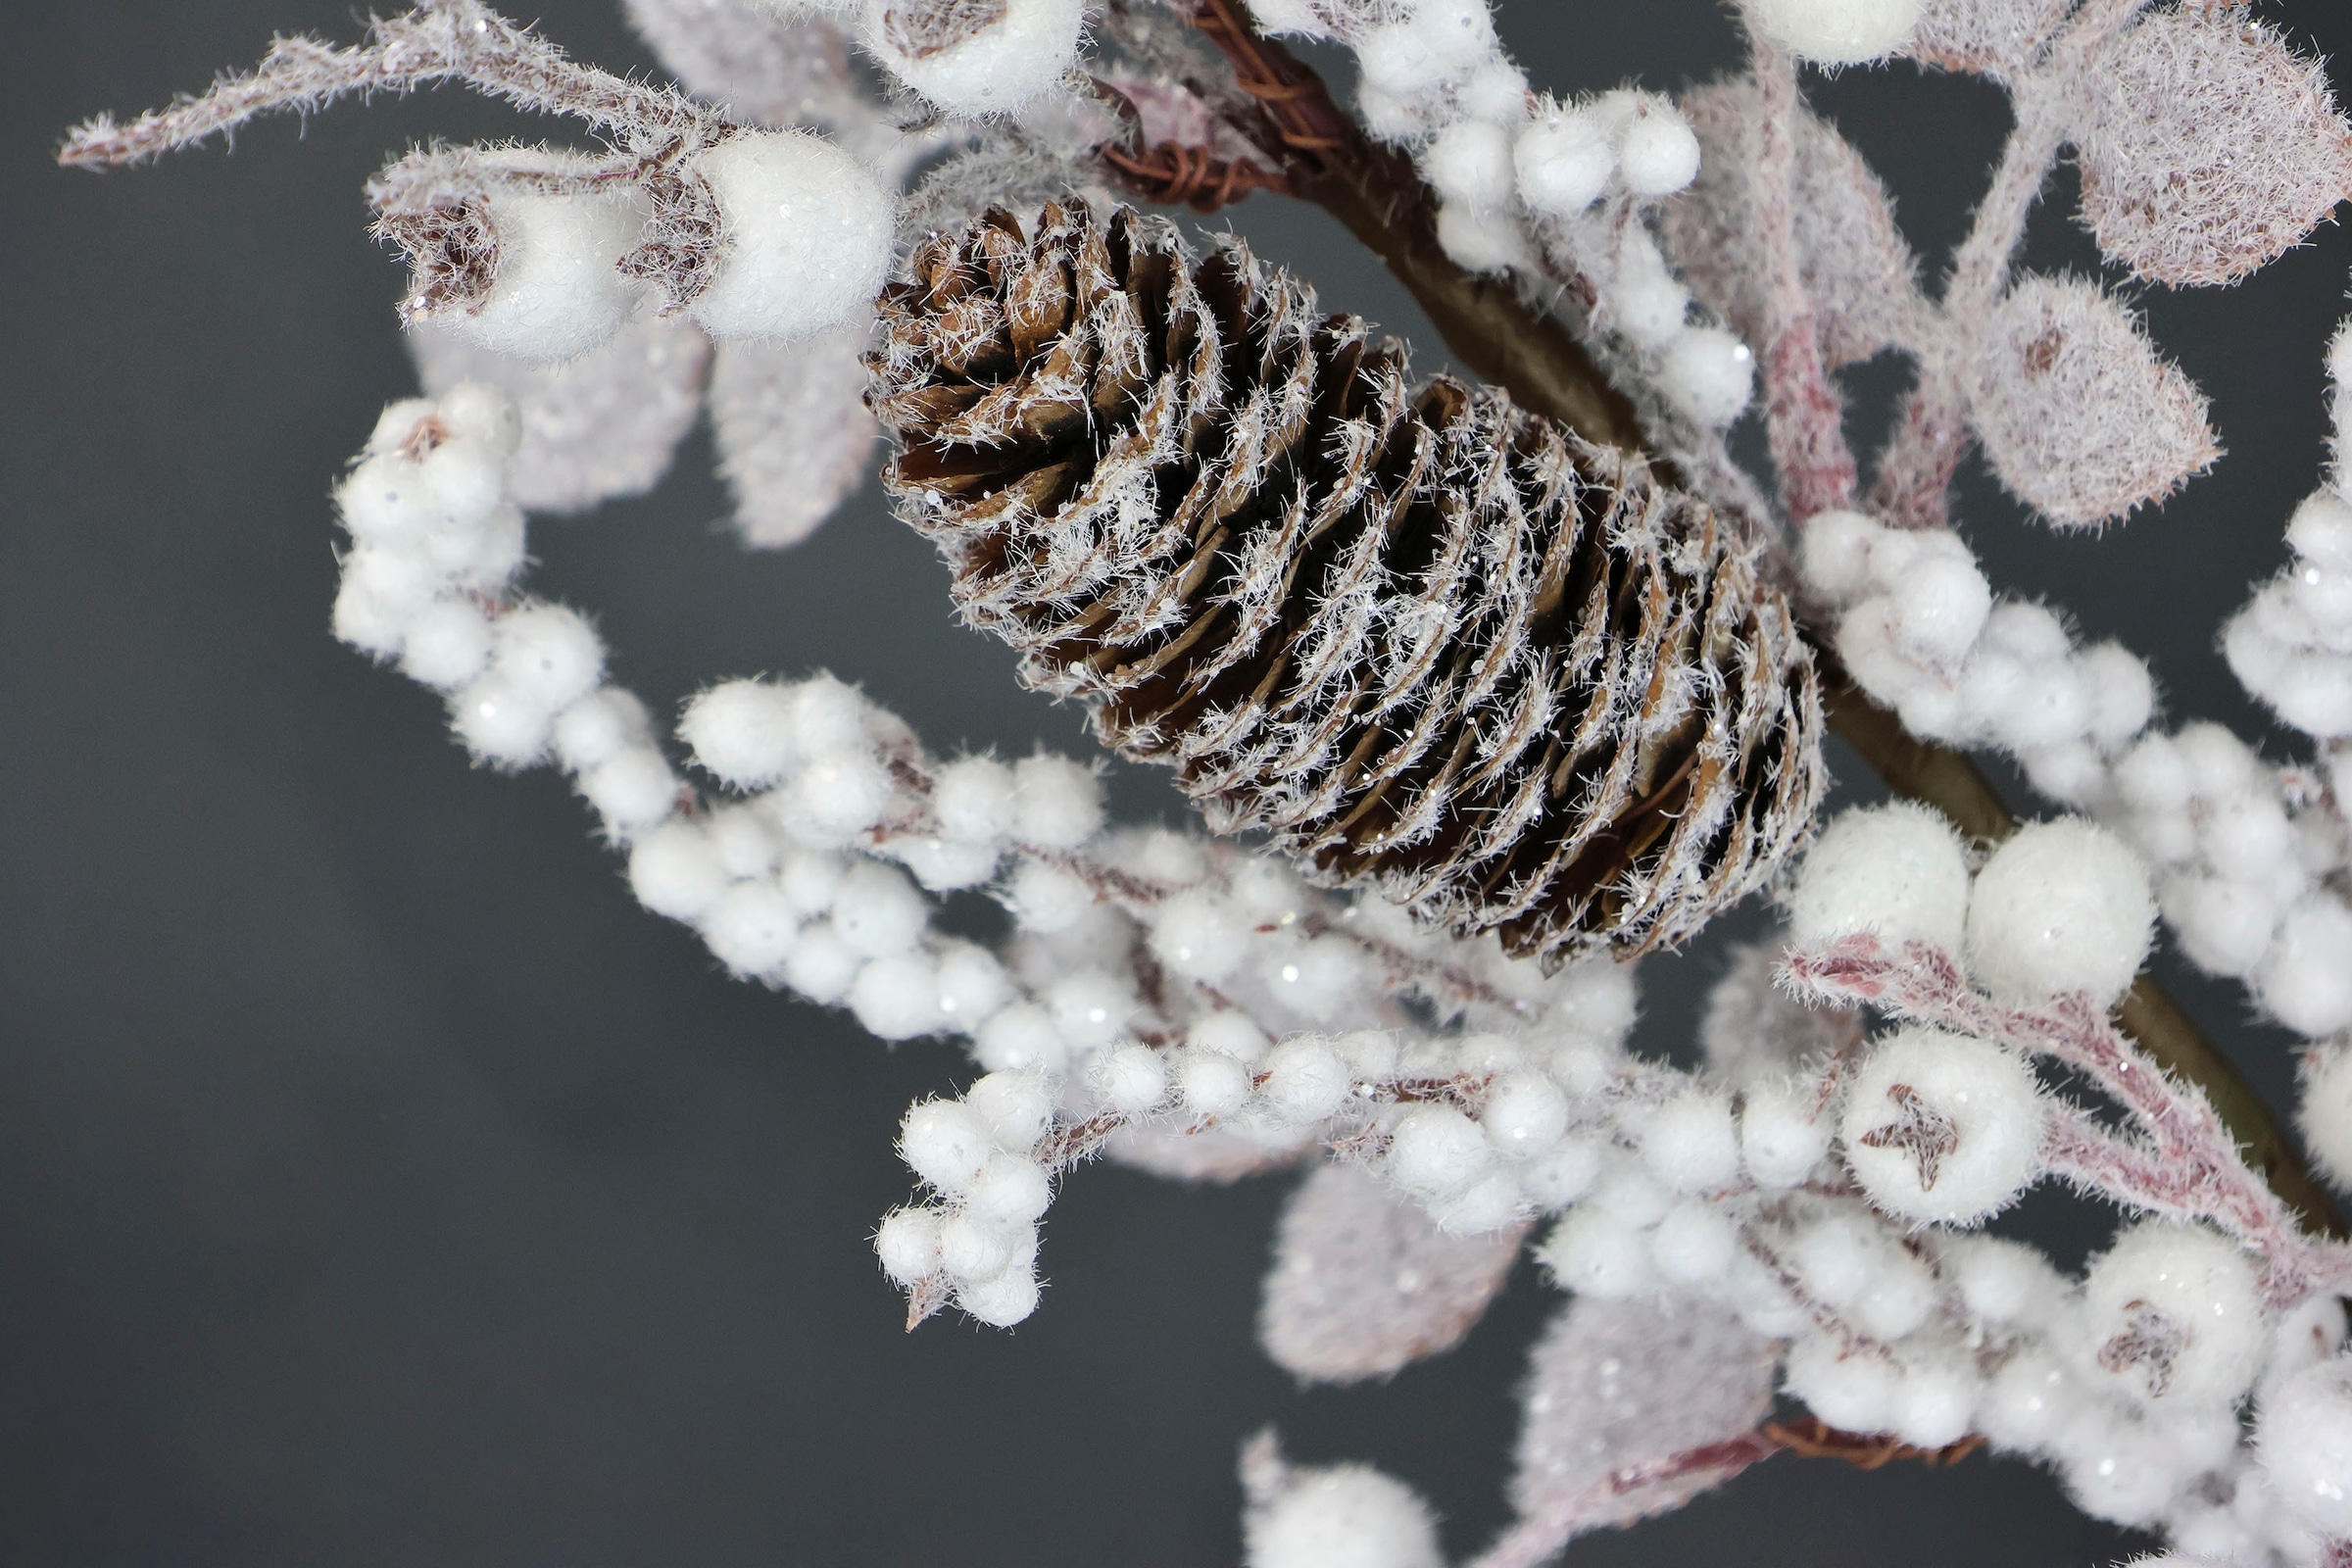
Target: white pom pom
{"points": [[675, 871], [1563, 161], [1347, 1516], [1942, 1127], [975, 60], [945, 1143], [2174, 1314], [1525, 1114], [478, 411], [1317, 979], [632, 790], [1693, 1243], [1057, 804], [1657, 154], [2061, 906], [1010, 1189], [1016, 1106], [1210, 1083], [1437, 1151], [943, 865], [1470, 162], [446, 643], [974, 800], [385, 499], [555, 293], [2001, 1281], [809, 878], [1230, 1034], [969, 1248], [599, 728], [2028, 1402], [1940, 604], [834, 799], [807, 231], [1306, 1080], [752, 928], [549, 654], [1133, 1080], [2323, 1112], [1490, 1205], [1091, 1009], [2117, 1469], [1481, 240], [1562, 1175], [1599, 1252], [1836, 32], [741, 732], [1835, 552], [1855, 1392], [1021, 1038], [1198, 935], [2307, 981], [1782, 1137], [972, 985], [1935, 1399], [1707, 374], [1896, 870], [1495, 92], [2305, 1439], [2122, 693], [907, 1245], [1692, 1142], [877, 911], [499, 725], [1003, 1300], [821, 966], [1845, 1261]]}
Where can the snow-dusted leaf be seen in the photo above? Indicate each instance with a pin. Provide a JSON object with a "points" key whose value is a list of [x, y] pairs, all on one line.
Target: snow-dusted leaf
{"points": [[1632, 1408], [794, 435], [1363, 1281], [747, 56], [2208, 147], [2079, 415], [1853, 260], [1998, 37], [1216, 1156], [602, 426], [1753, 1030]]}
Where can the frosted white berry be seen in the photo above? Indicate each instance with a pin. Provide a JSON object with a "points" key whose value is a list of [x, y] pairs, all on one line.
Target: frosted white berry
{"points": [[1347, 1516], [2001, 1281], [2306, 982], [675, 871], [877, 911], [1230, 1034], [1657, 154], [1563, 160], [897, 998], [1897, 871], [742, 732], [834, 799], [1437, 1151], [1198, 936], [1694, 1245], [1306, 1080], [972, 985], [1783, 1133], [1707, 374], [945, 1143], [2061, 906], [600, 728], [972, 799], [975, 60], [821, 966], [556, 292], [446, 643], [1089, 1007], [806, 230], [1836, 32], [1021, 1038], [2303, 1435], [499, 725], [633, 791], [1003, 1300], [2173, 1315], [1470, 161], [1598, 1253], [1016, 1106], [751, 929], [1856, 1391], [1525, 1114], [907, 1245], [2324, 1110], [1010, 1189], [1691, 1142], [1210, 1083], [1057, 804], [1942, 1127], [1133, 1080]]}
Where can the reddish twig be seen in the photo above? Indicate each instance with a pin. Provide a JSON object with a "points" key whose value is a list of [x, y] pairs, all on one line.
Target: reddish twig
{"points": [[1176, 175], [1811, 1437]]}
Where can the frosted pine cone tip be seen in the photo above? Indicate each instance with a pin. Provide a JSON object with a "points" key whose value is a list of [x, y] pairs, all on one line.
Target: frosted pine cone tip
{"points": [[1429, 641]]}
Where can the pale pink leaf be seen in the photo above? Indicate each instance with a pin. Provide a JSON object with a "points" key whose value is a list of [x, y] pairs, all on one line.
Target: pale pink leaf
{"points": [[1632, 1408], [1215, 1156], [1851, 260], [794, 435], [748, 56], [2079, 416], [2207, 146], [602, 426], [1996, 38], [1753, 1030], [1364, 1282]]}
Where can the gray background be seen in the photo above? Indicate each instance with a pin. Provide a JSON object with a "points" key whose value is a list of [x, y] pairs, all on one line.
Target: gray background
{"points": [[377, 1184]]}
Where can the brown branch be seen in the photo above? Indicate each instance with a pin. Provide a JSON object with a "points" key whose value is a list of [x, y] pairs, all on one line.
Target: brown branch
{"points": [[1811, 1437]]}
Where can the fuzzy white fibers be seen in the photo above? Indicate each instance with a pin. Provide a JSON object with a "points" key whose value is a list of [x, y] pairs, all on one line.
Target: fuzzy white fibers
{"points": [[555, 293], [2060, 906], [1942, 1127], [1897, 871], [1836, 32], [807, 231], [1347, 1516]]}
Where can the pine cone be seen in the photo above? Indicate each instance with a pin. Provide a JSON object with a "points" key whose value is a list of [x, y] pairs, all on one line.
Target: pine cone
{"points": [[1430, 641]]}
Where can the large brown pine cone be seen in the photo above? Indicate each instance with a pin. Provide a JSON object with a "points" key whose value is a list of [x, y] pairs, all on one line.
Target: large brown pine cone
{"points": [[1428, 640]]}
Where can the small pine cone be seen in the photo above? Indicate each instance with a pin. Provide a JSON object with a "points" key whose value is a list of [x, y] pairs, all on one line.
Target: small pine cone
{"points": [[1433, 643]]}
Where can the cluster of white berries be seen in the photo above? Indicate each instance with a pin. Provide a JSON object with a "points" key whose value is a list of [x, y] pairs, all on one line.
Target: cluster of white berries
{"points": [[804, 242], [2241, 858], [1526, 183], [963, 59]]}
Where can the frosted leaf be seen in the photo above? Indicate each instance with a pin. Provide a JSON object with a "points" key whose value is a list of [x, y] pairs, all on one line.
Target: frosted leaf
{"points": [[1363, 1281], [1851, 258], [1632, 1408], [750, 58], [602, 426], [1752, 1030], [1998, 37], [1216, 1155], [793, 430], [2081, 419], [2207, 146]]}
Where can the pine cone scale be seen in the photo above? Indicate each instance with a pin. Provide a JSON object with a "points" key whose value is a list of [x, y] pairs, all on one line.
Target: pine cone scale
{"points": [[1427, 640]]}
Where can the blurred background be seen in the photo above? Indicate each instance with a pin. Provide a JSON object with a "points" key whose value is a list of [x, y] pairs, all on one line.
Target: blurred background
{"points": [[379, 1185]]}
